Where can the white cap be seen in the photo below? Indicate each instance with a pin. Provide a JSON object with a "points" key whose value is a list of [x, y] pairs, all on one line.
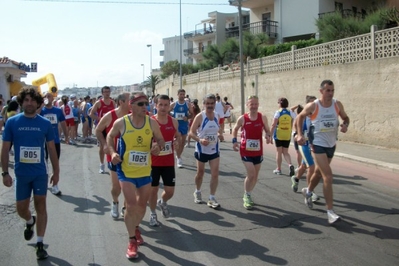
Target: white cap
{"points": [[14, 98]]}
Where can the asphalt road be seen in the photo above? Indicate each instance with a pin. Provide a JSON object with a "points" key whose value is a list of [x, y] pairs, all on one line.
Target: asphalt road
{"points": [[280, 230]]}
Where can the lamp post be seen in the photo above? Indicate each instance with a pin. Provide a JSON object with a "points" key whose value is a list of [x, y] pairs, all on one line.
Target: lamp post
{"points": [[143, 71], [150, 45], [239, 4], [181, 54]]}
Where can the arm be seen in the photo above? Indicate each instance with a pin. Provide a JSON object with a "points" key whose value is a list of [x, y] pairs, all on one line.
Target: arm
{"points": [[238, 125], [93, 111], [193, 129], [307, 110], [177, 134], [102, 125], [157, 136], [7, 180], [115, 131], [172, 106], [273, 127], [266, 128], [344, 117], [54, 162], [65, 130]]}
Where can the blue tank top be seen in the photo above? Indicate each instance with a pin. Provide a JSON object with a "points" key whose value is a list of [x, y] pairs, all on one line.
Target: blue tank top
{"points": [[28, 136], [180, 111]]}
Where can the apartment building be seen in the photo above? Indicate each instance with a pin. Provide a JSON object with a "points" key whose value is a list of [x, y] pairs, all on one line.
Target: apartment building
{"points": [[171, 50]]}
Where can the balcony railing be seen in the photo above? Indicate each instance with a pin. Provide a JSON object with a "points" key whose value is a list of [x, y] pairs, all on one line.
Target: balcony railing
{"points": [[194, 33], [269, 27], [194, 51], [346, 13]]}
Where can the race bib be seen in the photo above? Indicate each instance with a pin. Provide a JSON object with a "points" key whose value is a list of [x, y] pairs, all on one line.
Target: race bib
{"points": [[180, 116], [138, 158], [211, 138], [167, 149], [253, 145], [52, 117], [328, 125], [29, 154]]}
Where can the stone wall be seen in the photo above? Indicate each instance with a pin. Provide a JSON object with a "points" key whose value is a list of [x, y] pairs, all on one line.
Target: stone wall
{"points": [[369, 91]]}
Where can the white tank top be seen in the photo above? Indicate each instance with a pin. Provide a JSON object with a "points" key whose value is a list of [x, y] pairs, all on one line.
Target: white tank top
{"points": [[219, 109], [208, 130], [325, 122]]}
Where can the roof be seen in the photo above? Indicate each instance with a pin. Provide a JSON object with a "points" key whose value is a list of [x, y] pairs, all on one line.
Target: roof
{"points": [[6, 60]]}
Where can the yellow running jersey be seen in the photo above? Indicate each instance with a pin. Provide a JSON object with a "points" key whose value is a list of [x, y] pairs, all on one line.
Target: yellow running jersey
{"points": [[135, 149]]}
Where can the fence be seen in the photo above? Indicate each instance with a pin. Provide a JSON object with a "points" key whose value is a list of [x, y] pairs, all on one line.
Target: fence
{"points": [[373, 45]]}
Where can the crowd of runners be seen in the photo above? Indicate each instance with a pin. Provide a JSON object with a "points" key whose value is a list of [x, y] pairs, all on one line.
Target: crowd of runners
{"points": [[142, 139]]}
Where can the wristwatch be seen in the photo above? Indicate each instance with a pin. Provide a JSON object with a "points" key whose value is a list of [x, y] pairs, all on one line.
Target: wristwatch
{"points": [[4, 174]]}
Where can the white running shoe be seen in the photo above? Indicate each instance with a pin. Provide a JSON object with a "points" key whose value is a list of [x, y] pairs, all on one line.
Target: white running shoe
{"points": [[308, 198], [277, 172], [55, 190], [197, 197], [154, 219], [213, 203], [102, 167], [115, 210], [179, 162], [315, 197], [332, 217], [123, 211]]}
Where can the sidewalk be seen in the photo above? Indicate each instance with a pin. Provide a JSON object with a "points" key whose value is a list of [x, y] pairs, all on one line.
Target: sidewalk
{"points": [[380, 157]]}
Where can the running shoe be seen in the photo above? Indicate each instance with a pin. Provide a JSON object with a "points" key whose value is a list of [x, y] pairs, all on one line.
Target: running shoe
{"points": [[332, 217], [102, 167], [41, 254], [55, 190], [294, 185], [123, 211], [114, 210], [139, 238], [28, 232], [71, 142], [315, 197], [292, 170], [179, 162], [154, 219], [248, 202], [308, 198], [164, 208], [277, 172], [132, 249], [213, 203], [197, 197]]}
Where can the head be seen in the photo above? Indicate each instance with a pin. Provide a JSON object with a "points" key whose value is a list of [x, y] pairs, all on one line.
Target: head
{"points": [[123, 100], [225, 99], [283, 102], [253, 103], [217, 98], [327, 89], [310, 98], [163, 104], [65, 99], [30, 99], [181, 94], [87, 98], [195, 102], [299, 109], [139, 103], [106, 92], [72, 97], [209, 102], [49, 97]]}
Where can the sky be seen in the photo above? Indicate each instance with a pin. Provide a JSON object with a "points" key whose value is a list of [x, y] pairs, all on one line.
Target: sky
{"points": [[90, 43]]}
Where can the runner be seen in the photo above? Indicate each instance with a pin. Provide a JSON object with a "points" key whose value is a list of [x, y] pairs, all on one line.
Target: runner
{"points": [[206, 131], [163, 164], [133, 163], [100, 108], [323, 133], [29, 132], [252, 125], [106, 123], [227, 114]]}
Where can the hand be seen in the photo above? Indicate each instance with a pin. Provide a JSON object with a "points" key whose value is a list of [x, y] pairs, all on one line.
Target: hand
{"points": [[344, 128], [155, 149], [221, 137], [236, 146], [268, 139], [300, 139], [7, 180], [204, 142], [55, 178], [115, 159]]}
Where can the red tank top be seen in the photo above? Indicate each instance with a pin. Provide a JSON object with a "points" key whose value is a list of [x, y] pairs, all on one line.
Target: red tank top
{"points": [[67, 109], [166, 156], [108, 129], [251, 137], [105, 108]]}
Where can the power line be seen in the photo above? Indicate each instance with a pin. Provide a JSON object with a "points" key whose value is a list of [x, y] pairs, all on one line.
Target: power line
{"points": [[128, 2]]}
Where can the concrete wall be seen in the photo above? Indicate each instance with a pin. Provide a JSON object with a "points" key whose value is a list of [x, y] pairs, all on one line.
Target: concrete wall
{"points": [[368, 91]]}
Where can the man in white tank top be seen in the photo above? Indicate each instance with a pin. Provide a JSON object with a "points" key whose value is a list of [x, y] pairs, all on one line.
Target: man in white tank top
{"points": [[207, 132], [323, 133]]}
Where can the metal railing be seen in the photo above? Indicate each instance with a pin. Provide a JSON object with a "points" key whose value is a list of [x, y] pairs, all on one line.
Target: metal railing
{"points": [[269, 27], [194, 51]]}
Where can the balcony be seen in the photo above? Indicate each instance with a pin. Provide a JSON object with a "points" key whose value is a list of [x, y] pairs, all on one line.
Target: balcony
{"points": [[194, 51], [346, 13], [195, 33], [268, 27]]}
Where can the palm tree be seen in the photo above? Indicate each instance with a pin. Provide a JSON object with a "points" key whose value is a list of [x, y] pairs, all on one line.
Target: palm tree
{"points": [[151, 82]]}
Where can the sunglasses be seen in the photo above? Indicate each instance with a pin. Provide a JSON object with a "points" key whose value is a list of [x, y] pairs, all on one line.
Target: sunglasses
{"points": [[141, 104]]}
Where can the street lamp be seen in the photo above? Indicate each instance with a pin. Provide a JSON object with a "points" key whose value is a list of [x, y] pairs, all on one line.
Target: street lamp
{"points": [[150, 45], [239, 4], [143, 70]]}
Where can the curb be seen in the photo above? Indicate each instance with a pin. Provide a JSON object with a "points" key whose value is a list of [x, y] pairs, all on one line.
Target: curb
{"points": [[378, 164]]}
